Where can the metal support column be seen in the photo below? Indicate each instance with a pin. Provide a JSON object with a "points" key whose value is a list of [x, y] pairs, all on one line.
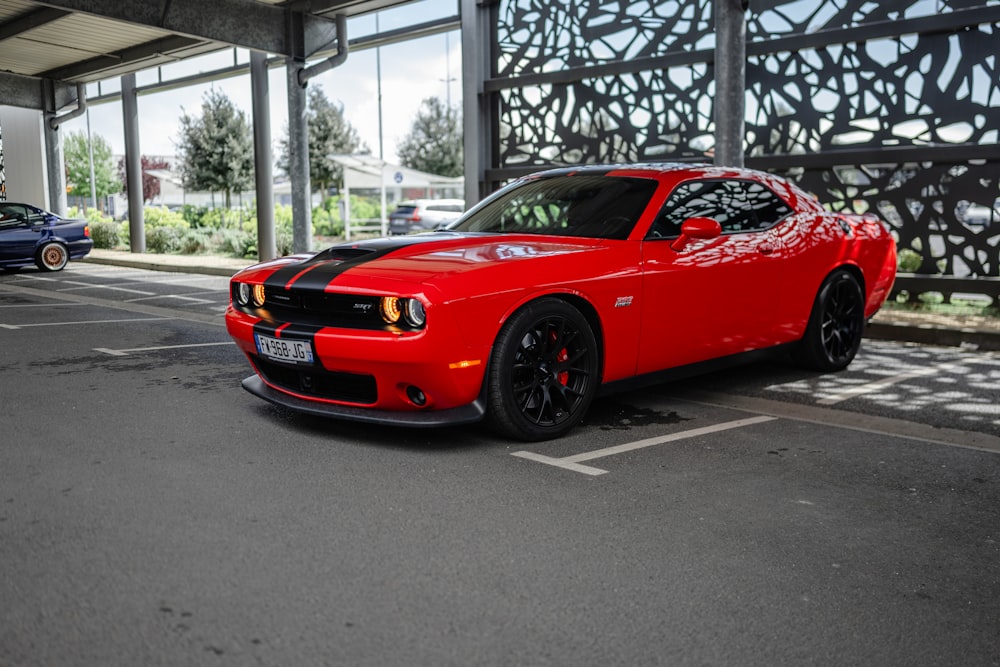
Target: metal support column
{"points": [[298, 159], [476, 68], [133, 165], [730, 81], [260, 91], [54, 164]]}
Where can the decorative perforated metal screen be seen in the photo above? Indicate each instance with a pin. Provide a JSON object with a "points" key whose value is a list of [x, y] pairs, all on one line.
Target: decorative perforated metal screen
{"points": [[886, 106]]}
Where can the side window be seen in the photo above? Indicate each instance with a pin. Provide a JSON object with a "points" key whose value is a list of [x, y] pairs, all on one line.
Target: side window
{"points": [[693, 199], [738, 206], [12, 215], [754, 207]]}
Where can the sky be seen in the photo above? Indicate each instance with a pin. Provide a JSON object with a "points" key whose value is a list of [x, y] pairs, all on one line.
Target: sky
{"points": [[411, 71]]}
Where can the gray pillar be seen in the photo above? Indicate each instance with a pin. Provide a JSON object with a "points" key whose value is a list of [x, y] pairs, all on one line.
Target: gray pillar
{"points": [[730, 81], [133, 165], [477, 119], [260, 90], [54, 163], [298, 159]]}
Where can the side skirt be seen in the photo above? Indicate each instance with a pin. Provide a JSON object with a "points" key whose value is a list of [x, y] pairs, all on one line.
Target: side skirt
{"points": [[692, 370]]}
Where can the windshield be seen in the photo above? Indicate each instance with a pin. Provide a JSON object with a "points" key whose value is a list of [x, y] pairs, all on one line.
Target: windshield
{"points": [[602, 207]]}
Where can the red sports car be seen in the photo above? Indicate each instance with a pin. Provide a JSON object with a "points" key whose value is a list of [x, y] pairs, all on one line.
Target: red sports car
{"points": [[561, 286]]}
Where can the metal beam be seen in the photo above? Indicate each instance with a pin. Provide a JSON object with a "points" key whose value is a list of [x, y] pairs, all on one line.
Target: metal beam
{"points": [[246, 23], [30, 21], [260, 91], [55, 169], [17, 90], [730, 81], [298, 158], [478, 109], [134, 54], [133, 165]]}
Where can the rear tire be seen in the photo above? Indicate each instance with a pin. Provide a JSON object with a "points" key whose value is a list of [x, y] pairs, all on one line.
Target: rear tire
{"points": [[52, 256], [836, 324], [543, 373]]}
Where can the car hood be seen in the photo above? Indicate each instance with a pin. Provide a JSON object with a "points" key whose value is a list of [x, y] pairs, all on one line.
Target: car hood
{"points": [[441, 259]]}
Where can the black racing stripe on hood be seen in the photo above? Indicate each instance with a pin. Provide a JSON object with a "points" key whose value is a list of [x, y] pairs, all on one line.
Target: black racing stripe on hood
{"points": [[318, 271]]}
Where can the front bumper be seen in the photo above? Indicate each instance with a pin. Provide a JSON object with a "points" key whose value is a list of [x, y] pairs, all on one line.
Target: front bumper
{"points": [[464, 414]]}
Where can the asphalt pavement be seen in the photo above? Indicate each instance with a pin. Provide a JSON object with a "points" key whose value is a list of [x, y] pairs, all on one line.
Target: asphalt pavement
{"points": [[154, 513]]}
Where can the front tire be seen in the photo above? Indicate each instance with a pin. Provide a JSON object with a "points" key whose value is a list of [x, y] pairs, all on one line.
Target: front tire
{"points": [[52, 256], [543, 373], [836, 324]]}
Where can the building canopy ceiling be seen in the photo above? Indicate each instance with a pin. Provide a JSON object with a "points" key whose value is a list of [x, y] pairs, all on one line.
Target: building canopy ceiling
{"points": [[70, 42]]}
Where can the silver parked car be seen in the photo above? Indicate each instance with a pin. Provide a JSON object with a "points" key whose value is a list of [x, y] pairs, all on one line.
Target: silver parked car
{"points": [[421, 215]]}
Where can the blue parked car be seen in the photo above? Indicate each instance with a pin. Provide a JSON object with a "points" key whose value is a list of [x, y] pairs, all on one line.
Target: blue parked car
{"points": [[29, 235]]}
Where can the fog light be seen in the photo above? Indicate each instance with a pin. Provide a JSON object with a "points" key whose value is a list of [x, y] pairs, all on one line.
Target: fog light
{"points": [[416, 396]]}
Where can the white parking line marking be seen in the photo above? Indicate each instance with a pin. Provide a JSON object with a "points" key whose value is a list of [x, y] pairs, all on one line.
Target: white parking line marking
{"points": [[878, 385], [126, 352], [108, 287], [40, 305], [63, 324], [573, 462], [191, 299]]}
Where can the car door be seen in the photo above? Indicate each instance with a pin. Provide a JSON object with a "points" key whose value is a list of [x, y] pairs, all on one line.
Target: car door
{"points": [[707, 298], [18, 237]]}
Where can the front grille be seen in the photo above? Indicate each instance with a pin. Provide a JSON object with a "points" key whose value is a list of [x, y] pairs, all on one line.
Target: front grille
{"points": [[319, 383], [315, 307]]}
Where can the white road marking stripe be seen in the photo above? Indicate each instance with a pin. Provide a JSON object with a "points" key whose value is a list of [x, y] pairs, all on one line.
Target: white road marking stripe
{"points": [[878, 385], [573, 462], [40, 305], [192, 299], [63, 324], [126, 352], [107, 287]]}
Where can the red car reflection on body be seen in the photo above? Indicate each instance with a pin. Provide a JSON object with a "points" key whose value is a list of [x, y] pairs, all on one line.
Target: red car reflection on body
{"points": [[561, 286]]}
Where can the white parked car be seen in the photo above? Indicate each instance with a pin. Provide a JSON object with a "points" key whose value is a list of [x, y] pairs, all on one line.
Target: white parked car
{"points": [[421, 215]]}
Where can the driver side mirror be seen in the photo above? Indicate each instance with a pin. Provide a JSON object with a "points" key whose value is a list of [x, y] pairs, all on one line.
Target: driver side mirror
{"points": [[701, 229]]}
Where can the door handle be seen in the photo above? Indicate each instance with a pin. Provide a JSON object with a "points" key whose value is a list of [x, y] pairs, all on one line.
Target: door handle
{"points": [[765, 248]]}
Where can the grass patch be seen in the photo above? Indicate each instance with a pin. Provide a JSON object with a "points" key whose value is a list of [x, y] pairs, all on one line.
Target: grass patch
{"points": [[933, 302]]}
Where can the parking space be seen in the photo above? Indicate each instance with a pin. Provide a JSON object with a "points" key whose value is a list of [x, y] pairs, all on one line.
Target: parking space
{"points": [[757, 516]]}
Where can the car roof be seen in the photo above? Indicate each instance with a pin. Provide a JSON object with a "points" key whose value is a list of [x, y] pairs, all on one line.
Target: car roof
{"points": [[679, 171]]}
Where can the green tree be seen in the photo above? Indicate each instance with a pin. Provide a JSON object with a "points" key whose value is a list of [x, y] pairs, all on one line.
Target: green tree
{"points": [[216, 149], [150, 184], [434, 143], [329, 134], [76, 155]]}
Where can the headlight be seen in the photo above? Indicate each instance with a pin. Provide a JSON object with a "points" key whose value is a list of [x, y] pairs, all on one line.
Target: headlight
{"points": [[389, 307], [247, 295], [411, 311], [258, 295], [415, 314], [243, 294]]}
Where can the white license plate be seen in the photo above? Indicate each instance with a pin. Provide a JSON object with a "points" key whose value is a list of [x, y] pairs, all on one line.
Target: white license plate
{"points": [[288, 351]]}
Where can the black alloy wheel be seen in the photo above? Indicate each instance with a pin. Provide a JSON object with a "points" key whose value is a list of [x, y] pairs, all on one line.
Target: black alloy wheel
{"points": [[544, 371], [836, 324]]}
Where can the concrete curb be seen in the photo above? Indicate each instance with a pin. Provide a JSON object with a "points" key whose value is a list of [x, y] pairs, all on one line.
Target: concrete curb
{"points": [[204, 265], [973, 339]]}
